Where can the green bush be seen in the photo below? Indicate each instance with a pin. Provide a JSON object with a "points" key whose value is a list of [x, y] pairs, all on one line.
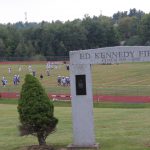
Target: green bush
{"points": [[36, 111]]}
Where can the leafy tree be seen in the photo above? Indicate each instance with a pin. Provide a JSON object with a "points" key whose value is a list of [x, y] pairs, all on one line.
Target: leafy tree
{"points": [[13, 37], [133, 41], [2, 47], [136, 13], [144, 29], [73, 36], [128, 27], [58, 38], [132, 13], [24, 49], [110, 31], [119, 15], [95, 32], [36, 111]]}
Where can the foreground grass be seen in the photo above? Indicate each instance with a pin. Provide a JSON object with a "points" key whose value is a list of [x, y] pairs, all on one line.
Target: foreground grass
{"points": [[96, 105], [115, 129]]}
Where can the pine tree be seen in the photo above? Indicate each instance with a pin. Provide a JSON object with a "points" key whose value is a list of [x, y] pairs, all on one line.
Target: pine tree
{"points": [[36, 111]]}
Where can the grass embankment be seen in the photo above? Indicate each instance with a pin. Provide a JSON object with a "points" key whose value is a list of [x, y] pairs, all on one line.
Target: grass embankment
{"points": [[132, 79], [115, 129]]}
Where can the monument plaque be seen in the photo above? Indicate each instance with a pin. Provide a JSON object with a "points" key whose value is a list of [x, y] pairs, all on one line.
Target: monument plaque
{"points": [[80, 85]]}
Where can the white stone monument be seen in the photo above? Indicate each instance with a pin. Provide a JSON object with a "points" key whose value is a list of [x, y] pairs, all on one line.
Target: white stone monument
{"points": [[81, 86]]}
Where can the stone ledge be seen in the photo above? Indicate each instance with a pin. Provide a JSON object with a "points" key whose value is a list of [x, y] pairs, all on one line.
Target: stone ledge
{"points": [[77, 147]]}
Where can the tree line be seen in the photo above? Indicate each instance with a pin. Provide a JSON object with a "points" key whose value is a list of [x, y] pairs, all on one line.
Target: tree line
{"points": [[57, 38]]}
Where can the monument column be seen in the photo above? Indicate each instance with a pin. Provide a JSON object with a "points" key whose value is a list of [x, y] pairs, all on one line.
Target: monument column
{"points": [[82, 105], [81, 85]]}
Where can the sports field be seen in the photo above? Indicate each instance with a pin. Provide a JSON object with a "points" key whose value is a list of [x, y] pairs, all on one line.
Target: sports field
{"points": [[132, 79], [115, 128]]}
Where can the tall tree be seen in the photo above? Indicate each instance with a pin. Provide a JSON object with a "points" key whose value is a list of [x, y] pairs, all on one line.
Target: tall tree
{"points": [[2, 48], [144, 29], [128, 27]]}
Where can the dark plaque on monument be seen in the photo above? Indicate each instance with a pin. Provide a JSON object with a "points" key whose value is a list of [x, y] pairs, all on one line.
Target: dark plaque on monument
{"points": [[80, 84]]}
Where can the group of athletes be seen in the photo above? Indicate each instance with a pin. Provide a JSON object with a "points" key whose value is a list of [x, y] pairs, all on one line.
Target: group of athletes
{"points": [[61, 80], [16, 80]]}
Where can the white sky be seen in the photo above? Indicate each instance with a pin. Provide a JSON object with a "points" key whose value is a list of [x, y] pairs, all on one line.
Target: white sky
{"points": [[63, 10]]}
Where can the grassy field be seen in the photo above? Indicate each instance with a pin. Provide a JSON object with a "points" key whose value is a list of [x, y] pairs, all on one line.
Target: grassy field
{"points": [[123, 79], [49, 82], [118, 126], [115, 128], [95, 104]]}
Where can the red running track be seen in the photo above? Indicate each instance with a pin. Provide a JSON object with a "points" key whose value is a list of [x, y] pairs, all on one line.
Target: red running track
{"points": [[97, 98]]}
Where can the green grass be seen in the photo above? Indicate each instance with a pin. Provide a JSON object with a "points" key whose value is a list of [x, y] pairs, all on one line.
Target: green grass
{"points": [[8, 101], [96, 104], [118, 126], [123, 79], [115, 129], [132, 79]]}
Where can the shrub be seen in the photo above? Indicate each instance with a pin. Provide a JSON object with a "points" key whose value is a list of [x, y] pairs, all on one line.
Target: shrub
{"points": [[36, 111]]}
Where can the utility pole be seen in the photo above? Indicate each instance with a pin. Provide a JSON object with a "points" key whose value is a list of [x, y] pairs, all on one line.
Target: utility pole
{"points": [[26, 20]]}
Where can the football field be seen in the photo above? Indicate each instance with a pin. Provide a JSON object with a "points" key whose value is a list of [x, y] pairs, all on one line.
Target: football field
{"points": [[132, 79]]}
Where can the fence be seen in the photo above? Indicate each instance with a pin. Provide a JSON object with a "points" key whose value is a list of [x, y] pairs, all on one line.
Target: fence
{"points": [[36, 58]]}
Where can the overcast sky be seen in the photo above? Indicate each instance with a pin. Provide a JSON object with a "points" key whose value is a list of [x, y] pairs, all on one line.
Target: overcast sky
{"points": [[63, 10]]}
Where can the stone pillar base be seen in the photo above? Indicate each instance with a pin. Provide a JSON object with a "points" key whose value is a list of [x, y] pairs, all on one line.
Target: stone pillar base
{"points": [[76, 147]]}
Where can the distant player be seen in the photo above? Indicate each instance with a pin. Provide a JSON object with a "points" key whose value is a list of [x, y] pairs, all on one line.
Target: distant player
{"points": [[15, 79], [59, 80], [9, 70], [30, 68], [34, 73], [18, 78], [67, 67], [4, 81], [41, 76], [48, 72], [68, 81]]}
